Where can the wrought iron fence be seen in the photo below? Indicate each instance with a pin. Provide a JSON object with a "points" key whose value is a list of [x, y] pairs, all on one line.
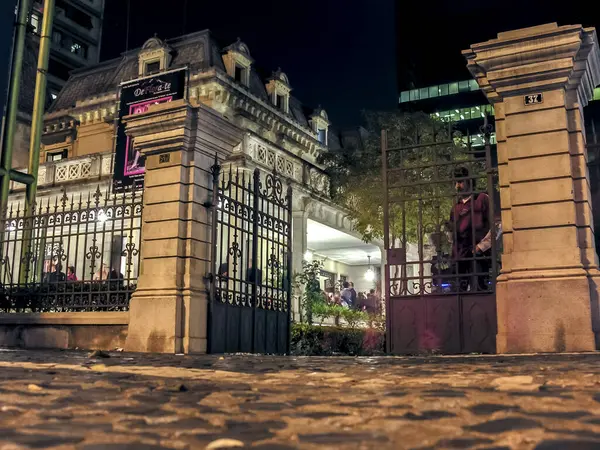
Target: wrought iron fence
{"points": [[78, 252], [440, 219], [251, 289]]}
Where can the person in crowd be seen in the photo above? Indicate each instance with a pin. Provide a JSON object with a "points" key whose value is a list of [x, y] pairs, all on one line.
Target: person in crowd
{"points": [[101, 274], [71, 274], [116, 279], [469, 223], [224, 271], [338, 300], [361, 301], [56, 275], [346, 295], [254, 275], [353, 294], [372, 303]]}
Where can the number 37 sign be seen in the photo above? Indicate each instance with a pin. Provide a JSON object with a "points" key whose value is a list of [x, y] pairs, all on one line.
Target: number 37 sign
{"points": [[533, 99]]}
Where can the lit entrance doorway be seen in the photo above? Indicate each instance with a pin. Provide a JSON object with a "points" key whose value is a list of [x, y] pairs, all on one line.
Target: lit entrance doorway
{"points": [[345, 257]]}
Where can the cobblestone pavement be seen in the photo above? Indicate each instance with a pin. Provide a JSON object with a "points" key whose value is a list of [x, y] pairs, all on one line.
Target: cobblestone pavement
{"points": [[131, 401]]}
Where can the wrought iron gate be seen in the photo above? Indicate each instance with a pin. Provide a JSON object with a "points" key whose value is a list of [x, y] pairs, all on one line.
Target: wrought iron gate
{"points": [[249, 308], [439, 221]]}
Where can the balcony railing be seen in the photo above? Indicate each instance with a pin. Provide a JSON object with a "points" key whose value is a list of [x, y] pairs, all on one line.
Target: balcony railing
{"points": [[88, 167]]}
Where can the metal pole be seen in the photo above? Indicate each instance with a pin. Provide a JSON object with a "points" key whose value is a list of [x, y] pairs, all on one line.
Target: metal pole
{"points": [[37, 120], [13, 101], [386, 240], [255, 238]]}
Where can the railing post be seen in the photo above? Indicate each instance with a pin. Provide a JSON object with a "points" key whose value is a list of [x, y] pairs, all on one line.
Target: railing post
{"points": [[288, 265], [255, 293], [214, 269]]}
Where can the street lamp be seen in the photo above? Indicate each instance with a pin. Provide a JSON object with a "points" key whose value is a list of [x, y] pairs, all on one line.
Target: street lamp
{"points": [[370, 273]]}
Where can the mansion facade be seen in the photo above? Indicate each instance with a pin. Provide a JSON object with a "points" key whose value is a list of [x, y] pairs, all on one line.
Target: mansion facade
{"points": [[251, 122]]}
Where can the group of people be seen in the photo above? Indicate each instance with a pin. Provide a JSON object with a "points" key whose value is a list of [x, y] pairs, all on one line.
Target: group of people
{"points": [[55, 274], [348, 297]]}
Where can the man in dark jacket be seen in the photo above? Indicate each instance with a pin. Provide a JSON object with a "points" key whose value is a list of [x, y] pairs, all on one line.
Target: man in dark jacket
{"points": [[470, 232]]}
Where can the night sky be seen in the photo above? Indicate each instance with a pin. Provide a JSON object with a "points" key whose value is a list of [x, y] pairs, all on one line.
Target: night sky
{"points": [[7, 7], [432, 34], [337, 53]]}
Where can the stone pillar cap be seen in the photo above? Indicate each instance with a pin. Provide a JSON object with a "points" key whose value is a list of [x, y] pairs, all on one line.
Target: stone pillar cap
{"points": [[536, 59]]}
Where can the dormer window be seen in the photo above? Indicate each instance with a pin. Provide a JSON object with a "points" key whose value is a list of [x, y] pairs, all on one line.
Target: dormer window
{"points": [[154, 57], [279, 89], [320, 123], [322, 136], [238, 62], [152, 67], [280, 102], [241, 74]]}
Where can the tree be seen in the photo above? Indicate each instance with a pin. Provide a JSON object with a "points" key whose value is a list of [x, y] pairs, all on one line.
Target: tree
{"points": [[421, 188]]}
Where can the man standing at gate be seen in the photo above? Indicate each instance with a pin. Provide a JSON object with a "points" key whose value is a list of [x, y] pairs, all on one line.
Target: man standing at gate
{"points": [[470, 233]]}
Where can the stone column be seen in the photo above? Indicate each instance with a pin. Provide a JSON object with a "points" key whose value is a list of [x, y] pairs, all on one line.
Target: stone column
{"points": [[299, 243], [168, 311], [538, 80]]}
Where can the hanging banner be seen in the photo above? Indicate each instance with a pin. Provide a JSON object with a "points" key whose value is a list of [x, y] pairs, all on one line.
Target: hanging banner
{"points": [[135, 98]]}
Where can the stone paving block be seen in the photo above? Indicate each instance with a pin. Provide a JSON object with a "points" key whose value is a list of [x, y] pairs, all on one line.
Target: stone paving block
{"points": [[150, 401]]}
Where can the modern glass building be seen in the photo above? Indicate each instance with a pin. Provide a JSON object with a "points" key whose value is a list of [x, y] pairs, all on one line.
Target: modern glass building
{"points": [[459, 102]]}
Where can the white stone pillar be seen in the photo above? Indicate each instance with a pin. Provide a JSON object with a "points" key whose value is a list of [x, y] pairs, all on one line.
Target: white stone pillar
{"points": [[299, 246], [539, 79]]}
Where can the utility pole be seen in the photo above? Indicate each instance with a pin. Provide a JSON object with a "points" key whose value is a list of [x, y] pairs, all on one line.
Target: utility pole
{"points": [[39, 101], [13, 102], [37, 123]]}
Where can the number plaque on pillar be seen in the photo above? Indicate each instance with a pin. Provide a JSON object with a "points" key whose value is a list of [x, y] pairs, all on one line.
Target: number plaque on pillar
{"points": [[533, 99]]}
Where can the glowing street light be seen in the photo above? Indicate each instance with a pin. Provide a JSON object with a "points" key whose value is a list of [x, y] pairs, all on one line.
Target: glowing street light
{"points": [[102, 217], [370, 273]]}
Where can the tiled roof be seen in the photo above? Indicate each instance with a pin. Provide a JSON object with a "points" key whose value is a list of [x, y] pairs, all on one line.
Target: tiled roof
{"points": [[104, 78], [197, 51]]}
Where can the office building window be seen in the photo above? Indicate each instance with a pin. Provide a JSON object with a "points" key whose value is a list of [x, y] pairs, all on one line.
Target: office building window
{"points": [[438, 91], [75, 14], [456, 115], [57, 37], [35, 22], [79, 49], [58, 69]]}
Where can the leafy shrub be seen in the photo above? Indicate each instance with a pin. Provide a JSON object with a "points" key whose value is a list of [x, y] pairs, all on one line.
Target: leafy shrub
{"points": [[316, 340]]}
